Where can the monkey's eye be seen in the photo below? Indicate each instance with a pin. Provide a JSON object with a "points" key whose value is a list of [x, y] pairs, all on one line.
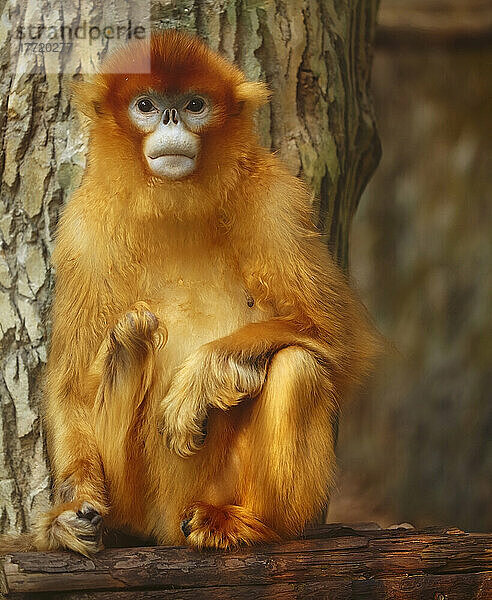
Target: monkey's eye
{"points": [[145, 105], [196, 105]]}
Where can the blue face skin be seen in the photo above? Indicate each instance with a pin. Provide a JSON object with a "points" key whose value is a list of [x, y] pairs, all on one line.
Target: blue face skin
{"points": [[171, 124]]}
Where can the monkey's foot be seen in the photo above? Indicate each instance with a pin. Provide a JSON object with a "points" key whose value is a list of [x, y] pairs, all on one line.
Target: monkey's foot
{"points": [[225, 527], [73, 525]]}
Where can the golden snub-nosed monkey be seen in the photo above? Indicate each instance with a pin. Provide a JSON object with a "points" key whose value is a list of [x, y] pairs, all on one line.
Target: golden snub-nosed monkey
{"points": [[202, 337]]}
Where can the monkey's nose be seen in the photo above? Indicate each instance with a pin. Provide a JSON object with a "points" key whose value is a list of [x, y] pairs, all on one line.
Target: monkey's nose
{"points": [[170, 115]]}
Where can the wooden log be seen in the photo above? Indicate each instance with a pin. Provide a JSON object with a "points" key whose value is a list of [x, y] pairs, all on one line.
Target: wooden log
{"points": [[334, 562]]}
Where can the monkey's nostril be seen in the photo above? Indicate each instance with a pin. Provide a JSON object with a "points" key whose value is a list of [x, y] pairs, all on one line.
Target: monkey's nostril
{"points": [[166, 117], [174, 116]]}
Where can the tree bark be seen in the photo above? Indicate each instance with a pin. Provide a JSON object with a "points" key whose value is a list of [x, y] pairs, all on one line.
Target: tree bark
{"points": [[316, 57]]}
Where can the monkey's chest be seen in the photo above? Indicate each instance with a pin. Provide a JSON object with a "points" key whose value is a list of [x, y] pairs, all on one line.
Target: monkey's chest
{"points": [[197, 310]]}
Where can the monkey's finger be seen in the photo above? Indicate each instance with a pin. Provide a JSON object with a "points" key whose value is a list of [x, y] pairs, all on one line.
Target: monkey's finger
{"points": [[183, 446]]}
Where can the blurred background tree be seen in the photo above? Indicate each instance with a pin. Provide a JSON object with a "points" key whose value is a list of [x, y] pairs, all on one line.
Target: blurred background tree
{"points": [[418, 446], [316, 57]]}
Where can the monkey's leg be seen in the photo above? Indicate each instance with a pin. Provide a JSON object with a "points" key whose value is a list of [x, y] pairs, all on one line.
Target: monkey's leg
{"points": [[77, 456], [127, 374], [286, 458], [80, 496], [79, 490]]}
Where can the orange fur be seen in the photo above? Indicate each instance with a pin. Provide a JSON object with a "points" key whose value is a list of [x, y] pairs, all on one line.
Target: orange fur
{"points": [[153, 329]]}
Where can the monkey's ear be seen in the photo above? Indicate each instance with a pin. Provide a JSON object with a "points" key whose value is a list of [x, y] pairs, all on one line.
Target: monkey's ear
{"points": [[87, 95], [251, 94]]}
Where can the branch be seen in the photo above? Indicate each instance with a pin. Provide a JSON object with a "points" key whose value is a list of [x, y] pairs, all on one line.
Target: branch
{"points": [[334, 561]]}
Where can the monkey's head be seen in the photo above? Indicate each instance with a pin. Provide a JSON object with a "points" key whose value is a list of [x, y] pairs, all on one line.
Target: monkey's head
{"points": [[190, 117]]}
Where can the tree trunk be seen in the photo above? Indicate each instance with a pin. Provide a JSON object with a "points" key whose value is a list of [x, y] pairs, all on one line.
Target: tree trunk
{"points": [[316, 57]]}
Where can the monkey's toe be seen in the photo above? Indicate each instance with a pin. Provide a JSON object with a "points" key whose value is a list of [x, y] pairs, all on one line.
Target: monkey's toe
{"points": [[89, 513], [186, 527]]}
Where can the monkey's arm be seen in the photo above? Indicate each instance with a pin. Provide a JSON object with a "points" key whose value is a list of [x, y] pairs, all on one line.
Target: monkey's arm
{"points": [[92, 362], [78, 479], [70, 389], [286, 265], [220, 374]]}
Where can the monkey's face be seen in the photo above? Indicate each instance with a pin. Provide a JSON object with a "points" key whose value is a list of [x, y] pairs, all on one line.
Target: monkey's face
{"points": [[170, 125], [186, 121]]}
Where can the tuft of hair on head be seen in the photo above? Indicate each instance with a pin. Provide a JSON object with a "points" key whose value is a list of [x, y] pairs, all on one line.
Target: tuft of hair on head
{"points": [[250, 95], [87, 94]]}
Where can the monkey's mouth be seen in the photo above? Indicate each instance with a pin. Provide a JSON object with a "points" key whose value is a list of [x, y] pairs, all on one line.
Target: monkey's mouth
{"points": [[172, 166], [172, 155]]}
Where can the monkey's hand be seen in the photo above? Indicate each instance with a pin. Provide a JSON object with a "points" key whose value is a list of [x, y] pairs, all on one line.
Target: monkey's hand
{"points": [[211, 377]]}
